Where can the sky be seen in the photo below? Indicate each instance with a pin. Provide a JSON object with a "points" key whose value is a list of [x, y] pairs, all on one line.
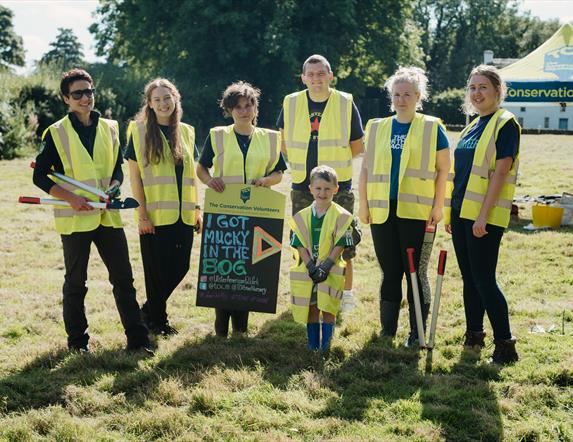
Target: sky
{"points": [[37, 21]]}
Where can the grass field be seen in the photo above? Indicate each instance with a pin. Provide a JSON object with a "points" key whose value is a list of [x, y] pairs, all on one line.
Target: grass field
{"points": [[267, 386]]}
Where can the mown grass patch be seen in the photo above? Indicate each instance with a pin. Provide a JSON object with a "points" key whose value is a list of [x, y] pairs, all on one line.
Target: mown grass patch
{"points": [[268, 386]]}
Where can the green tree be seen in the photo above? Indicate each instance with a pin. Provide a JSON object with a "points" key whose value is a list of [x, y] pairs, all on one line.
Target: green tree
{"points": [[11, 44], [455, 33], [66, 51], [264, 44]]}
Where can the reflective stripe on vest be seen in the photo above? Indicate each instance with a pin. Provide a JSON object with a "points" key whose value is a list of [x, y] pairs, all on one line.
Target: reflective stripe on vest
{"points": [[335, 224], [160, 181], [417, 183], [95, 170], [333, 135], [482, 171], [262, 154]]}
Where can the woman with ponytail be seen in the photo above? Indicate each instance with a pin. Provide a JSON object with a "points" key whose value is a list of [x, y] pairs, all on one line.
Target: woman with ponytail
{"points": [[402, 189]]}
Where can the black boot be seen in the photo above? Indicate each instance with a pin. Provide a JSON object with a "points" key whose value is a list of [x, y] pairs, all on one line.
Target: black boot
{"points": [[412, 340], [504, 352], [474, 338], [389, 312]]}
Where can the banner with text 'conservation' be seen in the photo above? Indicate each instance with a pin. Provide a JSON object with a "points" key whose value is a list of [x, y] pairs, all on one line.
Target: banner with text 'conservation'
{"points": [[241, 246]]}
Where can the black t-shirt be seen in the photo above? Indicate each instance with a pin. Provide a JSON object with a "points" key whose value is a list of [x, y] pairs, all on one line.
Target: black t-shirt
{"points": [[130, 155], [506, 145], [315, 111], [49, 160], [244, 141]]}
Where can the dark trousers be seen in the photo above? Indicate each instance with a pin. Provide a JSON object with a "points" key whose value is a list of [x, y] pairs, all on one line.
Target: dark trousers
{"points": [[240, 320], [477, 259], [166, 255], [391, 239], [112, 247]]}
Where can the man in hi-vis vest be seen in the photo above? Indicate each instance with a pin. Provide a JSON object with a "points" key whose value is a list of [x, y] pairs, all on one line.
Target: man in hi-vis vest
{"points": [[322, 126], [85, 147]]}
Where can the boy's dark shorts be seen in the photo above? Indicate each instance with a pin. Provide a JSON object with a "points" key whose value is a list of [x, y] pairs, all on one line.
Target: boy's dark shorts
{"points": [[345, 198]]}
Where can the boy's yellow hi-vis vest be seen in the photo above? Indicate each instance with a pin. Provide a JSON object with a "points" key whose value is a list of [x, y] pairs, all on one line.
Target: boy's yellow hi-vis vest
{"points": [[329, 293]]}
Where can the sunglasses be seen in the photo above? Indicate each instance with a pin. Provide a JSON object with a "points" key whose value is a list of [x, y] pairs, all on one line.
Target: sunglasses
{"points": [[77, 95]]}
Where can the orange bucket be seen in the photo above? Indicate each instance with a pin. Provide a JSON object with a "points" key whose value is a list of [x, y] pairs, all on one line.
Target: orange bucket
{"points": [[547, 216]]}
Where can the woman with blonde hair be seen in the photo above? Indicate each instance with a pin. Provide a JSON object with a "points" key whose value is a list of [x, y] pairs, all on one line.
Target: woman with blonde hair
{"points": [[402, 188], [240, 153], [485, 167], [163, 180]]}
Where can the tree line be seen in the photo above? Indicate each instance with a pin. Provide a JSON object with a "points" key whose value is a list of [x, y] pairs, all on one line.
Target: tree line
{"points": [[205, 45]]}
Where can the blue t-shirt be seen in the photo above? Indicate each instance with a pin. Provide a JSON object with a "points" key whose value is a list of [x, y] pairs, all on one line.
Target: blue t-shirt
{"points": [[506, 145], [397, 139]]}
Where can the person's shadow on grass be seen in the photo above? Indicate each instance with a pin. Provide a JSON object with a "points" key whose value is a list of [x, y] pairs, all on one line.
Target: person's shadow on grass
{"points": [[385, 382]]}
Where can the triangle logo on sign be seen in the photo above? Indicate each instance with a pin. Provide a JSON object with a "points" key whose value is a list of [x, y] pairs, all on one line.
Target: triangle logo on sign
{"points": [[260, 252]]}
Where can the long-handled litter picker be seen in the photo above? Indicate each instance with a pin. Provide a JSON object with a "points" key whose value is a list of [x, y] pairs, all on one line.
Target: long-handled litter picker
{"points": [[437, 295], [416, 296]]}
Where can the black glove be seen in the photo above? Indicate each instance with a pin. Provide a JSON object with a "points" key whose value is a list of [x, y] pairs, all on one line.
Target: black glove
{"points": [[114, 191], [311, 267], [322, 270]]}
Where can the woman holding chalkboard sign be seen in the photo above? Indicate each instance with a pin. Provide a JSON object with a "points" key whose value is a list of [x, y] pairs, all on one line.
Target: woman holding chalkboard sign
{"points": [[240, 153], [163, 180]]}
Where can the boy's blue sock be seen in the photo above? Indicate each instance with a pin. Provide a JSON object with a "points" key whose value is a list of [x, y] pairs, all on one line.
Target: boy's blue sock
{"points": [[327, 332], [313, 334]]}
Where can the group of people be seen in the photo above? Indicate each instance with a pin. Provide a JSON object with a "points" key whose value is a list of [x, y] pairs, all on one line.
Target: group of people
{"points": [[408, 184]]}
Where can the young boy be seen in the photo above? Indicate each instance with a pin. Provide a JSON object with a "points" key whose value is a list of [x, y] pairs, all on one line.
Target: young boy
{"points": [[320, 234]]}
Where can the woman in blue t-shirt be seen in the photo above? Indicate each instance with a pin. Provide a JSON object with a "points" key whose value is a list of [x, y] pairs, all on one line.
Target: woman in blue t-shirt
{"points": [[481, 204], [402, 189]]}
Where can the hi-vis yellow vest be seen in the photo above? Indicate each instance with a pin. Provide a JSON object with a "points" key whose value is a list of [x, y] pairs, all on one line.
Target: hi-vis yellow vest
{"points": [[160, 181], [228, 163], [94, 171], [483, 167], [333, 135], [329, 293], [417, 173]]}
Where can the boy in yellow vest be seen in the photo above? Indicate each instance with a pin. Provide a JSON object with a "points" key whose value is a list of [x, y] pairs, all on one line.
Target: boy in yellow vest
{"points": [[322, 126], [320, 234], [85, 146]]}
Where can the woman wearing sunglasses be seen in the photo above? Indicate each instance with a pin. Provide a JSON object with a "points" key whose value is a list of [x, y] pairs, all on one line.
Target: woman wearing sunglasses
{"points": [[162, 173], [85, 146], [240, 153]]}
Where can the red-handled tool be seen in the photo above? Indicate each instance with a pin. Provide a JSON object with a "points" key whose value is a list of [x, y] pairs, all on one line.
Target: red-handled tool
{"points": [[416, 296], [91, 189], [438, 293], [128, 203]]}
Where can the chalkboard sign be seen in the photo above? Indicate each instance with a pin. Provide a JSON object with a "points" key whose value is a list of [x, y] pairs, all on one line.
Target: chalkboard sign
{"points": [[241, 246]]}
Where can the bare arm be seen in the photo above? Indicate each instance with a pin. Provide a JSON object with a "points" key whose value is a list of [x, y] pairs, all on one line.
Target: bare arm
{"points": [[283, 144], [145, 225], [203, 174], [335, 253], [357, 147], [443, 167], [77, 202], [363, 212], [269, 180], [502, 168]]}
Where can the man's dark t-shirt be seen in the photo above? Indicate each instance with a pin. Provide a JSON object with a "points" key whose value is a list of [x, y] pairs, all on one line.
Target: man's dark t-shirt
{"points": [[315, 111]]}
